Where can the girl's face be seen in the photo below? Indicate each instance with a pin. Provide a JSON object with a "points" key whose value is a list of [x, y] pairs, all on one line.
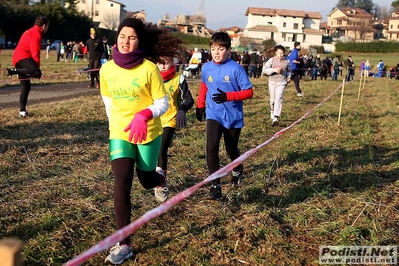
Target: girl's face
{"points": [[127, 40], [219, 53], [165, 63], [280, 54]]}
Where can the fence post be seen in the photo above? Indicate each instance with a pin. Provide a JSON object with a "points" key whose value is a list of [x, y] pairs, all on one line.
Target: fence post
{"points": [[10, 252], [340, 104]]}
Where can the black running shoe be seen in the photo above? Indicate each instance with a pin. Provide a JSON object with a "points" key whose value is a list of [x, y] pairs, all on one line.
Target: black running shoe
{"points": [[215, 192], [11, 71], [236, 177]]}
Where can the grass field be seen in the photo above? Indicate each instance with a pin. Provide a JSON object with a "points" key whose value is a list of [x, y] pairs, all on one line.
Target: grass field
{"points": [[316, 184]]}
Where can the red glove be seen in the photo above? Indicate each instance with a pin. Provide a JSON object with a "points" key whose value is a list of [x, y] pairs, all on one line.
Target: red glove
{"points": [[138, 126]]}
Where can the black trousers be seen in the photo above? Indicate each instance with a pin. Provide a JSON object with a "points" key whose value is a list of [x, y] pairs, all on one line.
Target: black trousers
{"points": [[214, 132], [295, 79], [26, 68], [166, 140], [123, 169], [94, 64]]}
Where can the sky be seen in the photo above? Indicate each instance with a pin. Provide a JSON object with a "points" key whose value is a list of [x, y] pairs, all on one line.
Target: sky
{"points": [[227, 13]]}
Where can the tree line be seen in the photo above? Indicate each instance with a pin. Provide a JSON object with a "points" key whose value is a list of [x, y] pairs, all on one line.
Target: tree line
{"points": [[66, 23]]}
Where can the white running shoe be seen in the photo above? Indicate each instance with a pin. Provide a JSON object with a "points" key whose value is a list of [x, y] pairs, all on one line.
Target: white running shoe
{"points": [[272, 114], [23, 114], [119, 253], [299, 94], [275, 122], [161, 192]]}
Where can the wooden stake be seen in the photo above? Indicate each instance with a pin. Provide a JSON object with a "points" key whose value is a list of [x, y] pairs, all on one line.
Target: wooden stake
{"points": [[10, 252], [360, 85], [364, 82], [340, 105]]}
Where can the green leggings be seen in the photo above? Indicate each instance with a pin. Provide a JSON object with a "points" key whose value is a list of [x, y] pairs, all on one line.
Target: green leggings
{"points": [[145, 155]]}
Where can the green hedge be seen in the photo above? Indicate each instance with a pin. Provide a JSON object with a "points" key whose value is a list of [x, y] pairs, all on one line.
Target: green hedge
{"points": [[191, 39], [367, 47]]}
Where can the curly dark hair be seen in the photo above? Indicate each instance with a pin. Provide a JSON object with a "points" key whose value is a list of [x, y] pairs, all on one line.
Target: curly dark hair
{"points": [[272, 51], [155, 41]]}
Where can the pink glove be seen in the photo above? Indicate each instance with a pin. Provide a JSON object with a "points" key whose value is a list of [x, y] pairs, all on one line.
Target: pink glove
{"points": [[138, 126]]}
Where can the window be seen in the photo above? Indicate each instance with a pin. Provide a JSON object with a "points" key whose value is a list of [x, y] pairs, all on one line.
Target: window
{"points": [[83, 1], [391, 26], [339, 22], [283, 36], [284, 24], [96, 13], [111, 4], [304, 38], [269, 23], [358, 24], [295, 26], [97, 2]]}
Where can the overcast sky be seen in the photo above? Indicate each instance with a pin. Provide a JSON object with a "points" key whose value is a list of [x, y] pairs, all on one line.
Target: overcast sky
{"points": [[227, 13]]}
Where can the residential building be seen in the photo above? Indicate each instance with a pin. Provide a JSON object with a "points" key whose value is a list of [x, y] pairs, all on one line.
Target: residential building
{"points": [[235, 34], [107, 14], [191, 24], [392, 32], [354, 24], [283, 26]]}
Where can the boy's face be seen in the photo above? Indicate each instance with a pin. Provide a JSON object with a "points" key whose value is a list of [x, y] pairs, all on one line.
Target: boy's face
{"points": [[219, 53]]}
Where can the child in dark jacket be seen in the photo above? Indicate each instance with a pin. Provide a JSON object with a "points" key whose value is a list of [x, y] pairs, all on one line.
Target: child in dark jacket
{"points": [[180, 101]]}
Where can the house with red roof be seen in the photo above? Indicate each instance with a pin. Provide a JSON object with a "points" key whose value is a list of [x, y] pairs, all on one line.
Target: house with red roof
{"points": [[349, 23], [283, 26]]}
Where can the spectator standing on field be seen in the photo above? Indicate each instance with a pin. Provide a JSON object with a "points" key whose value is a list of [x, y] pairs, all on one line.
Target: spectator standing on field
{"points": [[253, 64], [335, 68], [245, 62], [316, 63], [105, 53], [47, 50], [57, 46], [76, 51], [94, 48], [26, 59], [62, 51], [350, 68]]}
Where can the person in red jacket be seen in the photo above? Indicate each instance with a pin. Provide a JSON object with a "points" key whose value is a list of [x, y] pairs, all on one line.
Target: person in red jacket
{"points": [[26, 59]]}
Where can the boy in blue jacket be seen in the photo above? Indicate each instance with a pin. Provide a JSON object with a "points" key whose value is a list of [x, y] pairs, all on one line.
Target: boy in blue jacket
{"points": [[224, 86], [294, 61]]}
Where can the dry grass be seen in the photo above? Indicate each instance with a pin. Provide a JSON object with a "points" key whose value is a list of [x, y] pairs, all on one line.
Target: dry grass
{"points": [[317, 184]]}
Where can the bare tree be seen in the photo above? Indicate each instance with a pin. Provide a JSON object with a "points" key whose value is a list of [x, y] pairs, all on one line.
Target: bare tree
{"points": [[111, 21], [381, 11]]}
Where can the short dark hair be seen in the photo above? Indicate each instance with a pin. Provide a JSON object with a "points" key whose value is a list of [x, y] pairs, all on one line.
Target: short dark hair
{"points": [[221, 38], [41, 20], [296, 44]]}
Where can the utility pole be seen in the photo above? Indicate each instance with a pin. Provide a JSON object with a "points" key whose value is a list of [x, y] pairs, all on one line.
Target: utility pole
{"points": [[201, 7]]}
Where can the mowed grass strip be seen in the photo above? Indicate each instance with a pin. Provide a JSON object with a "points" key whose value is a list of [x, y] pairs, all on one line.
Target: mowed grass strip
{"points": [[317, 184]]}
